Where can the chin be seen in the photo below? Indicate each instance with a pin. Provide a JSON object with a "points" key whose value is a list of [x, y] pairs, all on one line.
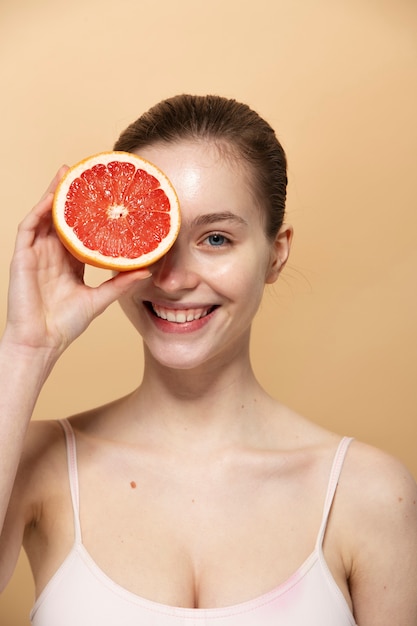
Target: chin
{"points": [[174, 358]]}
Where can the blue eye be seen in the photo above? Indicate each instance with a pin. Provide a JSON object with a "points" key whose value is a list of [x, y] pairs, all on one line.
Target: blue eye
{"points": [[216, 239]]}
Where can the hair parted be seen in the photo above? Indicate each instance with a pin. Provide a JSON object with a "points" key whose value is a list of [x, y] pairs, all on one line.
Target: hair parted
{"points": [[228, 123]]}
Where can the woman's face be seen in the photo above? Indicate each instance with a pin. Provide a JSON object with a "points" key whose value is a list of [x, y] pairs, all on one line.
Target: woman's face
{"points": [[203, 294]]}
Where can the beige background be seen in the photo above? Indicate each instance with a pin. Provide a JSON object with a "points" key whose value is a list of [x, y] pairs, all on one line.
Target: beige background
{"points": [[336, 339]]}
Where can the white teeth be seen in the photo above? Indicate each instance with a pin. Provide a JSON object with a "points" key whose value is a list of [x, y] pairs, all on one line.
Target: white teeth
{"points": [[179, 316]]}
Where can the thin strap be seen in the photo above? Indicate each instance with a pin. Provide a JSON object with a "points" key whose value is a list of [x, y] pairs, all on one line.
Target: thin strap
{"points": [[73, 475], [332, 486]]}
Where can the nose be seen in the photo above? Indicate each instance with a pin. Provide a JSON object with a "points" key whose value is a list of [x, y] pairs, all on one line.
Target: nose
{"points": [[174, 271]]}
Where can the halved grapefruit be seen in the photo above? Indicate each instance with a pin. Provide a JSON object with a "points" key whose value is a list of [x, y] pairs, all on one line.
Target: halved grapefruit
{"points": [[116, 210]]}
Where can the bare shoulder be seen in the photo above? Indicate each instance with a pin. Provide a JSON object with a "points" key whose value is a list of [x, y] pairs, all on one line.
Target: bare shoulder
{"points": [[375, 481], [42, 438], [377, 512], [41, 466], [377, 494], [42, 457]]}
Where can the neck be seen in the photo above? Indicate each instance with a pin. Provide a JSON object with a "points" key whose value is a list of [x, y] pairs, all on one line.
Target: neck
{"points": [[210, 404]]}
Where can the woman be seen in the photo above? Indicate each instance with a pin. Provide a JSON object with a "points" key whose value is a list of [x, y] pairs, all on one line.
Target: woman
{"points": [[197, 498]]}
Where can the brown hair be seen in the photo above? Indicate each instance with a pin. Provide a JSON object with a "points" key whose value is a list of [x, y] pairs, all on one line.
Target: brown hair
{"points": [[229, 123]]}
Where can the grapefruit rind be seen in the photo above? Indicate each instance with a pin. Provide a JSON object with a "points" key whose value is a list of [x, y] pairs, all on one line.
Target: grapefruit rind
{"points": [[86, 255]]}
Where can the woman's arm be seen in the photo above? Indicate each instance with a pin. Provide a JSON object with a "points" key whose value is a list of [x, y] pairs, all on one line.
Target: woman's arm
{"points": [[49, 306], [383, 530]]}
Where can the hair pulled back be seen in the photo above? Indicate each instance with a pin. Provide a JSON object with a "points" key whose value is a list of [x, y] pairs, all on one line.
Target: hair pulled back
{"points": [[229, 124]]}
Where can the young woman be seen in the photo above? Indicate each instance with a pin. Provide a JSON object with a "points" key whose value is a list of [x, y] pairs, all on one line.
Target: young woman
{"points": [[197, 498]]}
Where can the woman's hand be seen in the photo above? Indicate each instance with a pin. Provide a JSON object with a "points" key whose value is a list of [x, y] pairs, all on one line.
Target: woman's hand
{"points": [[49, 304]]}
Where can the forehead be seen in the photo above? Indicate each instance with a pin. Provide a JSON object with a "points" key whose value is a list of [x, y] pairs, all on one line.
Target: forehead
{"points": [[207, 178]]}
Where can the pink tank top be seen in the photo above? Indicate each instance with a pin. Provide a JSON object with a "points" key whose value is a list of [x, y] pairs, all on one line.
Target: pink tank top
{"points": [[81, 594]]}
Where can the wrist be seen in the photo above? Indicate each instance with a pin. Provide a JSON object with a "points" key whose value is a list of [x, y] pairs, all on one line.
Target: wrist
{"points": [[40, 359]]}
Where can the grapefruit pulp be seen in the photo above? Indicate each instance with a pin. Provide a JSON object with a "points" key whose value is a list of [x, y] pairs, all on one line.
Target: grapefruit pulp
{"points": [[116, 210]]}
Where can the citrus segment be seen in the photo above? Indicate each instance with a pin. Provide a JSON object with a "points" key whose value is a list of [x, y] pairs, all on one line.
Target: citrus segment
{"points": [[116, 210]]}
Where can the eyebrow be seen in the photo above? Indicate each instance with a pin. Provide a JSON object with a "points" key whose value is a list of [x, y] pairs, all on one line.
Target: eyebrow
{"points": [[224, 216]]}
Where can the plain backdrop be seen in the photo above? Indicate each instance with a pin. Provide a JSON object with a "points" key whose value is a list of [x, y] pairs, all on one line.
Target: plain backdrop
{"points": [[336, 337]]}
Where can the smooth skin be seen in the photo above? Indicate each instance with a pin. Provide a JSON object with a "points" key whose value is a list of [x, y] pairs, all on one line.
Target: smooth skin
{"points": [[217, 459]]}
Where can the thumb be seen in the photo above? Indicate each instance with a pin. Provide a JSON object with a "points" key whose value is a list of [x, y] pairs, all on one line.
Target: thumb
{"points": [[112, 289]]}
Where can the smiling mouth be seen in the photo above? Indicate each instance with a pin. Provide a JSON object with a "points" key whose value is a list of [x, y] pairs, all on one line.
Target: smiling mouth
{"points": [[179, 316]]}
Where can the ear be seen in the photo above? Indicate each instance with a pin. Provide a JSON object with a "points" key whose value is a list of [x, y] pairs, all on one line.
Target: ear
{"points": [[279, 253]]}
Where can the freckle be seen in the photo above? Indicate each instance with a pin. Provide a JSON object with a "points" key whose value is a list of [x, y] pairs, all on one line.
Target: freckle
{"points": [[400, 499], [133, 484], [193, 500]]}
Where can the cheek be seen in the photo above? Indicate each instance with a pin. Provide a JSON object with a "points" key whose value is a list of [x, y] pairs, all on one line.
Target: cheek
{"points": [[254, 267], [247, 283]]}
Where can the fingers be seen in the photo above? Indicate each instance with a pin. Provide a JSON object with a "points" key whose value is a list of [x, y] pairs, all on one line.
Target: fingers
{"points": [[123, 281], [126, 279], [54, 182], [45, 203], [30, 224]]}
